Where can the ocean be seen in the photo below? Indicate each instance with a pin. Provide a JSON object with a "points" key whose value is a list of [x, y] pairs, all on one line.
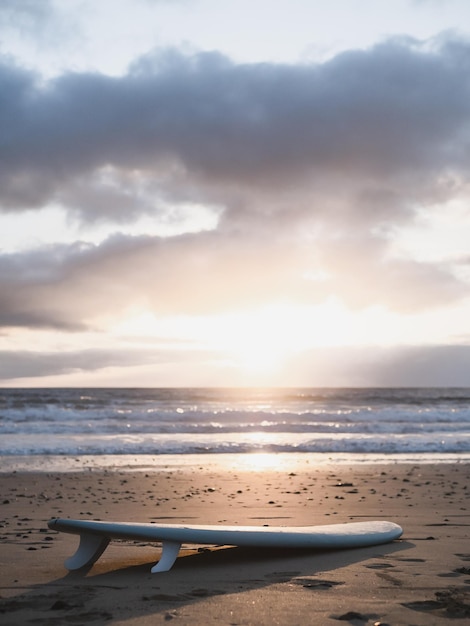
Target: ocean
{"points": [[145, 427]]}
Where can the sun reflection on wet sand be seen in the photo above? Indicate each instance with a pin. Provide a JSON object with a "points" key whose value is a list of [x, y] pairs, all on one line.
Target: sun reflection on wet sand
{"points": [[261, 461]]}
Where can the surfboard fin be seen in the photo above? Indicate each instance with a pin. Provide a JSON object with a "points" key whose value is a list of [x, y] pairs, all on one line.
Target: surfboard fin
{"points": [[170, 551], [90, 548]]}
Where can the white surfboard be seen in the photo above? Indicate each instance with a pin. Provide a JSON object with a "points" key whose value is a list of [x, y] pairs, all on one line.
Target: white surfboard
{"points": [[95, 536]]}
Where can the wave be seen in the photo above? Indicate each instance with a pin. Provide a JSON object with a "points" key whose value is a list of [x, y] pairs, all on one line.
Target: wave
{"points": [[182, 421], [256, 442]]}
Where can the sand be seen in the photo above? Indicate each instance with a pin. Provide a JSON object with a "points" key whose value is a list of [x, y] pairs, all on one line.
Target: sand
{"points": [[422, 579]]}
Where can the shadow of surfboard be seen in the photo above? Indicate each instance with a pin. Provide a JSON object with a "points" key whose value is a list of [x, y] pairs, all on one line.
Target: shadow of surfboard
{"points": [[123, 588]]}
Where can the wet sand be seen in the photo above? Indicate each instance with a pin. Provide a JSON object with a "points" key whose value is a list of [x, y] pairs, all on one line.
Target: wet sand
{"points": [[421, 579]]}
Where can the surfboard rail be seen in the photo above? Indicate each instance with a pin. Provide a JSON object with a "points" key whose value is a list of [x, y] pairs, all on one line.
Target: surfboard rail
{"points": [[96, 535]]}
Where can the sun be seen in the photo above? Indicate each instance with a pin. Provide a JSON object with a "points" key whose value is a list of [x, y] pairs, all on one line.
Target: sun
{"points": [[259, 341], [258, 359]]}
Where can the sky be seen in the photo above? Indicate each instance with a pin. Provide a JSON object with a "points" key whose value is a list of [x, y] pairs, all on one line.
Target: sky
{"points": [[234, 193]]}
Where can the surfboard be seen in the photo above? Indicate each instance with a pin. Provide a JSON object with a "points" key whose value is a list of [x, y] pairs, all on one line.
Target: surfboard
{"points": [[96, 535]]}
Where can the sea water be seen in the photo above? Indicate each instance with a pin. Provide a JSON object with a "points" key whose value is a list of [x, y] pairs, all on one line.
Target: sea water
{"points": [[145, 427]]}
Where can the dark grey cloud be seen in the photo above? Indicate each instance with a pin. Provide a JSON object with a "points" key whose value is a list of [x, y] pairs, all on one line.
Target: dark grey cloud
{"points": [[401, 366], [31, 364], [26, 364], [434, 366], [396, 113]]}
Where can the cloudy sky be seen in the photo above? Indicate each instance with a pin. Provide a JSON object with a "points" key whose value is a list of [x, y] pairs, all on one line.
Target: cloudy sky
{"points": [[234, 192]]}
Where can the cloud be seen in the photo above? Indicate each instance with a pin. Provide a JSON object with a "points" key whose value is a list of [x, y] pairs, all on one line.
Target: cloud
{"points": [[441, 366], [362, 272], [396, 112], [37, 26], [311, 164], [69, 287], [86, 286], [412, 366], [26, 364], [30, 364], [25, 15]]}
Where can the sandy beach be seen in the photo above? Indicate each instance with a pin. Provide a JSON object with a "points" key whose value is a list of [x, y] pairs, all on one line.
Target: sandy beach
{"points": [[421, 579]]}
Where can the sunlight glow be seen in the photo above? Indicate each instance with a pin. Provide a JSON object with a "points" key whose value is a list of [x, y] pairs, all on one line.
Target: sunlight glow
{"points": [[259, 344], [261, 461], [261, 340], [257, 341]]}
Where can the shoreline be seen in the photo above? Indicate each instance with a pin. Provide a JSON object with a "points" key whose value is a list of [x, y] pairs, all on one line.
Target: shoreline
{"points": [[421, 579], [221, 461]]}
